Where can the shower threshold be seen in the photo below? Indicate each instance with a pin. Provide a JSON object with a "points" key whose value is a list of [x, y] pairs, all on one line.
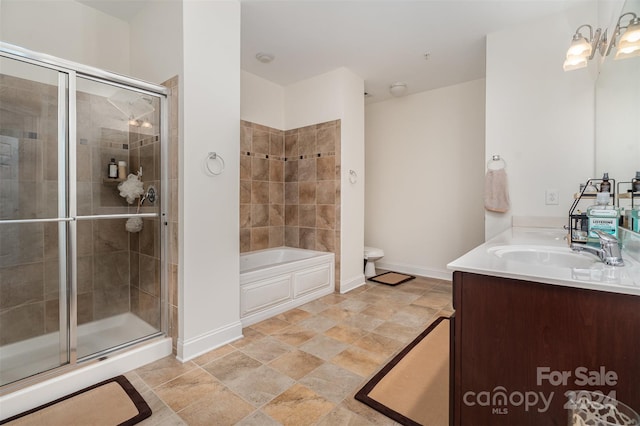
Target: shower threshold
{"points": [[43, 352]]}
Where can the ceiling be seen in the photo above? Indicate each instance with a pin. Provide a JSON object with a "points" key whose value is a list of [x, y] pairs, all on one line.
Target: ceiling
{"points": [[382, 41]]}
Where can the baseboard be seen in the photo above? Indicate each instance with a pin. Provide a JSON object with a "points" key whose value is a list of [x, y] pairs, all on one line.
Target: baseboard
{"points": [[350, 284], [196, 346], [441, 274]]}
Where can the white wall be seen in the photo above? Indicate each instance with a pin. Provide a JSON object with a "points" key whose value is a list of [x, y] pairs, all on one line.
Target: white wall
{"points": [[539, 118], [261, 101], [425, 168], [156, 41], [209, 297], [338, 95], [68, 30]]}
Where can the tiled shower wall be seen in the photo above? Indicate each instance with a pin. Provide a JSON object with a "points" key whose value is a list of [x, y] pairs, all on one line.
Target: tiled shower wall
{"points": [[290, 188]]}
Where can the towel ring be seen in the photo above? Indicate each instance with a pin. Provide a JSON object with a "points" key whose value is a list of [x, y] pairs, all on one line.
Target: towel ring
{"points": [[214, 156], [496, 159], [353, 176]]}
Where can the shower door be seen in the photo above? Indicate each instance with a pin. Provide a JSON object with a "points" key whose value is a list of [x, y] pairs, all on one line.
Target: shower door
{"points": [[33, 219], [81, 264]]}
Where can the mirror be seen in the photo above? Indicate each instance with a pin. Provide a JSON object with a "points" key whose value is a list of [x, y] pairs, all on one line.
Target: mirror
{"points": [[617, 117]]}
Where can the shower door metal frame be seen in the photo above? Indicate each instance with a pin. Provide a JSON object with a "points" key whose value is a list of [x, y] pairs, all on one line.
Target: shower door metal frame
{"points": [[67, 195]]}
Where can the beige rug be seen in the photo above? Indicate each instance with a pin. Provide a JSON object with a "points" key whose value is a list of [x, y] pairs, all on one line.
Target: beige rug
{"points": [[109, 403], [391, 278], [413, 389]]}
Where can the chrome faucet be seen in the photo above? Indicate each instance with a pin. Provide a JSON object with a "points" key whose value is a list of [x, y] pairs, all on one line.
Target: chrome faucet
{"points": [[609, 251]]}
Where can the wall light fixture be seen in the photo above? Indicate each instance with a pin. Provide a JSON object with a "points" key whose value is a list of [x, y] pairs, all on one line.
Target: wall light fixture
{"points": [[581, 49], [625, 38], [628, 45]]}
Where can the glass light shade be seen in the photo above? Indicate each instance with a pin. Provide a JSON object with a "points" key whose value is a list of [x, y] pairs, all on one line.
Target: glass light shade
{"points": [[627, 49], [632, 34], [579, 47], [574, 63]]}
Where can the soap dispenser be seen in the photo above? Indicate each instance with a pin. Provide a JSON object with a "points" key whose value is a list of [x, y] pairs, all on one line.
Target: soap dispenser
{"points": [[112, 169], [605, 185]]}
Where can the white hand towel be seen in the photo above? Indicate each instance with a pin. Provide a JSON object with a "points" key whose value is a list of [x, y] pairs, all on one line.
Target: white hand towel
{"points": [[496, 191]]}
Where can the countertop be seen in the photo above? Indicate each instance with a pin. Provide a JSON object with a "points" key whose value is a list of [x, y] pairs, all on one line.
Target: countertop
{"points": [[589, 274]]}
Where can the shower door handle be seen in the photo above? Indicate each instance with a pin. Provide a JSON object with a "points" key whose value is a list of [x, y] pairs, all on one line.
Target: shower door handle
{"points": [[51, 219]]}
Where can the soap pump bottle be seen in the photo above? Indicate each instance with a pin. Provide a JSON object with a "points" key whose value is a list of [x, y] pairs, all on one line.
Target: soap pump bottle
{"points": [[605, 185], [635, 183], [112, 169]]}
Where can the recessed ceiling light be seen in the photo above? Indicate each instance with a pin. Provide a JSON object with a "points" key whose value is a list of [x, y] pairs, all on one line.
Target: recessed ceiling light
{"points": [[265, 58]]}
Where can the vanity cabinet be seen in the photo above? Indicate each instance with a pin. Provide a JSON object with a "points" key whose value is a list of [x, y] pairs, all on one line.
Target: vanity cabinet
{"points": [[518, 347]]}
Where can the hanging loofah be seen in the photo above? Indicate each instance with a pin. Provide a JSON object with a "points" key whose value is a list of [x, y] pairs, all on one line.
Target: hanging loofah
{"points": [[131, 188], [134, 224]]}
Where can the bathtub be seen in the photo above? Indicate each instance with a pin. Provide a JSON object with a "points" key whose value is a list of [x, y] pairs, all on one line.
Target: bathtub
{"points": [[273, 281]]}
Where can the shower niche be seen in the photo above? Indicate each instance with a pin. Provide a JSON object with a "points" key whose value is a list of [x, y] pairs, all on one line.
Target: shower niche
{"points": [[78, 282]]}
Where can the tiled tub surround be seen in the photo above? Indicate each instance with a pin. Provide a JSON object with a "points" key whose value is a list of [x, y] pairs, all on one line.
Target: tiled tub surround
{"points": [[290, 188], [117, 271]]}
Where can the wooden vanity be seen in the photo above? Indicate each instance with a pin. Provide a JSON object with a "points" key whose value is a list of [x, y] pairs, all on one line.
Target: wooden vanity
{"points": [[506, 331], [525, 335]]}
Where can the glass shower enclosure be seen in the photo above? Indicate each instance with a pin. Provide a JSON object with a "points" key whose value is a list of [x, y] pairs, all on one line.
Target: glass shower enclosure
{"points": [[82, 214]]}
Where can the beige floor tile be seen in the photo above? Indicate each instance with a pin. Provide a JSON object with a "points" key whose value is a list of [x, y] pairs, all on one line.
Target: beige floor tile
{"points": [[343, 416], [294, 316], [377, 343], [296, 364], [232, 366], [359, 361], [270, 326], [317, 323], [314, 307], [368, 413], [214, 354], [379, 311], [345, 333], [323, 347], [336, 313], [261, 386], [183, 391], [396, 331], [221, 407], [353, 305], [250, 336], [333, 298], [266, 349], [298, 406], [294, 335], [258, 418], [332, 382], [163, 370], [433, 300], [364, 322]]}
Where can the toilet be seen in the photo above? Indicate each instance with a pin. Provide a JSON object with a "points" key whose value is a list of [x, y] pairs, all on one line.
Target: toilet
{"points": [[371, 255]]}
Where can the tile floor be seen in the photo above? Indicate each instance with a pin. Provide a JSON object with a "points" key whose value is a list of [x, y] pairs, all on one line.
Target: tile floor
{"points": [[299, 368]]}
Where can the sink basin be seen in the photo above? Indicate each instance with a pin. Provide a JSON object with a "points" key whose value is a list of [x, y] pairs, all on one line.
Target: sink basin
{"points": [[545, 256]]}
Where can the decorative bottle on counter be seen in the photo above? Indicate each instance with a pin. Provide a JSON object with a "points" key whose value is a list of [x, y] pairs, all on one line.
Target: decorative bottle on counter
{"points": [[112, 169], [605, 186], [635, 183]]}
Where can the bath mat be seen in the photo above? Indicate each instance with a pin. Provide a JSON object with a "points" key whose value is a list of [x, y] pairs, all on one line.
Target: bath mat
{"points": [[391, 278], [413, 388], [112, 402]]}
